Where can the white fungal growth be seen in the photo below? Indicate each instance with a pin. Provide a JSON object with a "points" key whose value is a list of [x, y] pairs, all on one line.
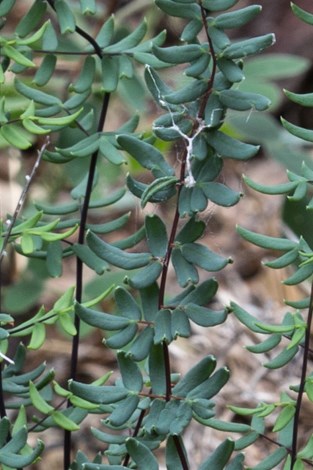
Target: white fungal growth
{"points": [[6, 358], [190, 181]]}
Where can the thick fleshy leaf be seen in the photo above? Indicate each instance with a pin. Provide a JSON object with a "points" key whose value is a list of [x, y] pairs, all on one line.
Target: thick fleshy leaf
{"points": [[272, 460], [101, 320], [264, 241], [123, 411], [173, 461], [237, 18], [98, 394], [228, 147], [303, 15], [156, 235], [146, 276], [131, 375], [141, 455], [116, 256], [174, 9], [186, 272], [220, 194], [157, 370], [126, 304], [248, 47], [146, 154], [220, 456], [282, 359], [65, 16], [140, 348], [305, 134], [122, 338], [218, 5], [243, 101], [195, 376], [203, 257]]}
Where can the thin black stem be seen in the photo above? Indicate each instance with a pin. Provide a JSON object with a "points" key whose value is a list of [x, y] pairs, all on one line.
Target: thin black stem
{"points": [[79, 268], [214, 66], [306, 351], [135, 433]]}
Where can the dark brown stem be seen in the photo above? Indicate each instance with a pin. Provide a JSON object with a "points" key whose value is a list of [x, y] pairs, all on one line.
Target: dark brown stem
{"points": [[306, 351]]}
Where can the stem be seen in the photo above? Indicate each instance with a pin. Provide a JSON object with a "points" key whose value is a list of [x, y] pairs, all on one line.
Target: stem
{"points": [[214, 66], [79, 267], [306, 351], [17, 211]]}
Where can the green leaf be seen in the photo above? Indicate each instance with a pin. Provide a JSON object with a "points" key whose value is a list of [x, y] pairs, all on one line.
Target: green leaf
{"points": [[307, 451], [211, 386], [266, 345], [284, 417], [156, 235], [105, 395], [64, 422], [165, 183], [104, 321], [220, 456], [6, 6], [15, 136], [186, 272], [85, 254], [122, 338], [141, 455], [146, 276], [195, 376], [86, 76], [140, 348], [173, 461], [272, 460], [305, 134], [130, 41], [180, 325], [50, 38], [126, 304], [302, 14], [228, 147], [19, 461], [204, 316], [110, 73], [218, 5], [88, 7], [220, 194], [203, 257], [105, 34], [54, 258], [179, 54], [38, 336], [17, 56], [173, 8], [304, 99], [157, 370], [163, 330], [237, 18], [236, 463], [124, 410], [243, 101], [116, 256], [110, 152], [244, 317], [38, 401], [32, 18], [131, 375], [191, 231], [283, 188], [190, 92], [146, 154], [36, 95], [231, 70], [264, 241], [282, 359], [248, 47], [65, 16]]}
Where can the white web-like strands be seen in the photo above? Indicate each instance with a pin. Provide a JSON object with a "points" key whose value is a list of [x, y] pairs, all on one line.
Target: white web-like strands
{"points": [[190, 181]]}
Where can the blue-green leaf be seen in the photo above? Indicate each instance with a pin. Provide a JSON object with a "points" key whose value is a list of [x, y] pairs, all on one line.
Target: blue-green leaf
{"points": [[220, 456]]}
